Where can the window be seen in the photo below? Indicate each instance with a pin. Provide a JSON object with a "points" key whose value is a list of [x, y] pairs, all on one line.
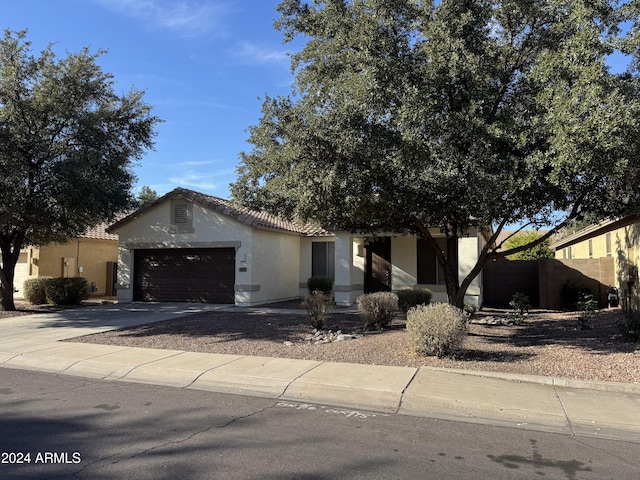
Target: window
{"points": [[429, 270], [608, 244], [323, 259], [590, 248], [569, 253], [181, 216]]}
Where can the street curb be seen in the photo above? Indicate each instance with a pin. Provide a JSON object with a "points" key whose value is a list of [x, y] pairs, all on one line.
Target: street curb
{"points": [[615, 387]]}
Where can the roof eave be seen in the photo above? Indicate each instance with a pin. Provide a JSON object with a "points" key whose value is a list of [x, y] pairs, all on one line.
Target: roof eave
{"points": [[594, 231]]}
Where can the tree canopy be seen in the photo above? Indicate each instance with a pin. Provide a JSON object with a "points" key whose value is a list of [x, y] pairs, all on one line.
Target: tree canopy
{"points": [[67, 147], [458, 115], [146, 195], [535, 252]]}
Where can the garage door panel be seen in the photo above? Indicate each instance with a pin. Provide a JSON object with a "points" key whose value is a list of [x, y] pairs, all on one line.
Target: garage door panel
{"points": [[185, 275]]}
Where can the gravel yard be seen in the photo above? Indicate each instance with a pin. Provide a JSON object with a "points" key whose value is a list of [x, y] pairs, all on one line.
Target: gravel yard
{"points": [[549, 343]]}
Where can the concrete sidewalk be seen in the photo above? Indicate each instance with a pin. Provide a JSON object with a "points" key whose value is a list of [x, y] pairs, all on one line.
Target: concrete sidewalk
{"points": [[596, 409]]}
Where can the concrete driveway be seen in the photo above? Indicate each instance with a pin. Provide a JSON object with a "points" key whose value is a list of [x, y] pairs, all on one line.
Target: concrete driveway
{"points": [[74, 322]]}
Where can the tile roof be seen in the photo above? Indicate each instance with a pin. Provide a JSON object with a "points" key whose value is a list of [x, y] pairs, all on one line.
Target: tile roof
{"points": [[256, 219], [99, 232]]}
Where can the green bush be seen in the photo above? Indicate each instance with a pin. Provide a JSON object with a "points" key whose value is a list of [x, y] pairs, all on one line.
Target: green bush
{"points": [[318, 306], [377, 309], [521, 306], [413, 297], [34, 290], [588, 307], [469, 309], [629, 326], [572, 293], [66, 291], [438, 329], [321, 284]]}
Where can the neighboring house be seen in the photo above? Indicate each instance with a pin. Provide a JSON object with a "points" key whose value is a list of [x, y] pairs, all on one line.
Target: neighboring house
{"points": [[620, 239], [187, 246], [93, 256]]}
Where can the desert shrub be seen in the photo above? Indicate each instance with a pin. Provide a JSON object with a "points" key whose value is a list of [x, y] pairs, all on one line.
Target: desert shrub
{"points": [[34, 290], [572, 293], [413, 297], [587, 305], [438, 329], [520, 308], [318, 306], [66, 291], [469, 309], [377, 309], [322, 284], [629, 326]]}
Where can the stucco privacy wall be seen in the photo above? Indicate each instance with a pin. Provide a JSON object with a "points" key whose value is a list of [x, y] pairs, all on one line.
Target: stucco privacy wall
{"points": [[210, 230]]}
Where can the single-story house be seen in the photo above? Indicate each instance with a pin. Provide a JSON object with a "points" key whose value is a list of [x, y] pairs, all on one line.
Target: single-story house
{"points": [[188, 246], [618, 238], [93, 255]]}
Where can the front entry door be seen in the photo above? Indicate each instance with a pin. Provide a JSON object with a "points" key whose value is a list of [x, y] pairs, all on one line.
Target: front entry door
{"points": [[377, 275]]}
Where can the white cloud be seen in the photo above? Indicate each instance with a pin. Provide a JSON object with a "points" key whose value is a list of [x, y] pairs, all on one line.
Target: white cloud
{"points": [[187, 17], [201, 181], [258, 54]]}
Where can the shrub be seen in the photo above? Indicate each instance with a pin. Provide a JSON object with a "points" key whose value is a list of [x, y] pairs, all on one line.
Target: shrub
{"points": [[629, 326], [521, 306], [377, 309], [587, 305], [322, 284], [66, 291], [469, 309], [318, 306], [438, 329], [572, 293], [34, 290], [413, 297]]}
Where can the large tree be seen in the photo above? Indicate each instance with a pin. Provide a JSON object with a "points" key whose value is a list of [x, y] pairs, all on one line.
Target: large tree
{"points": [[67, 147], [529, 237], [456, 114]]}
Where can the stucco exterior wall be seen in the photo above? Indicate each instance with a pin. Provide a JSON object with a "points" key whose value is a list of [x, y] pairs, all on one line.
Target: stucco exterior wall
{"points": [[22, 272], [404, 271], [404, 257], [625, 250], [79, 257], [274, 267], [349, 267], [210, 230], [305, 262]]}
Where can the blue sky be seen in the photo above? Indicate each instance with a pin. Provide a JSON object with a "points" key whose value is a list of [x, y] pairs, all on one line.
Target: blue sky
{"points": [[205, 65]]}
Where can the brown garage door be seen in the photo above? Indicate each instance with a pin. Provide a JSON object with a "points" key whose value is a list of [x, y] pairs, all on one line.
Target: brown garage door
{"points": [[205, 275]]}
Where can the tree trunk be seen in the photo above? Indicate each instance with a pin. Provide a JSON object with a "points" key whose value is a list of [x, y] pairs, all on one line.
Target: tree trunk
{"points": [[6, 289], [10, 248]]}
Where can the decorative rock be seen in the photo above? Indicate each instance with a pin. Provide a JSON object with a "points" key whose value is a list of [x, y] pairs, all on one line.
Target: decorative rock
{"points": [[342, 337]]}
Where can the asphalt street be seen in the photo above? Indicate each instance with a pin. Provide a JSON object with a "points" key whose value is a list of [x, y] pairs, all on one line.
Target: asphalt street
{"points": [[77, 428]]}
